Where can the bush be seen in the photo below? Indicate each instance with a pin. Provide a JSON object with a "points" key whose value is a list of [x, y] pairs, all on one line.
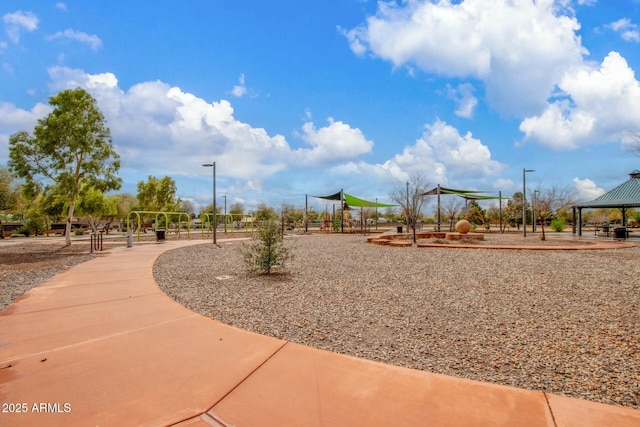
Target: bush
{"points": [[558, 224], [267, 251], [79, 231], [24, 231]]}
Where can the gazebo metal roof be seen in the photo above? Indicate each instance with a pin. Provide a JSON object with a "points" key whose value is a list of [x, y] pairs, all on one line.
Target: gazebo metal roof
{"points": [[625, 195]]}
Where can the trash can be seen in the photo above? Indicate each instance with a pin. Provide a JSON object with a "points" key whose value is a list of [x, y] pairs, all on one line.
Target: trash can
{"points": [[620, 233], [129, 239], [160, 235], [399, 229]]}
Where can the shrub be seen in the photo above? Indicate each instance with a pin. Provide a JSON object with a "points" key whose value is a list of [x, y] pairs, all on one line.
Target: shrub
{"points": [[24, 231], [79, 231], [558, 224], [268, 249]]}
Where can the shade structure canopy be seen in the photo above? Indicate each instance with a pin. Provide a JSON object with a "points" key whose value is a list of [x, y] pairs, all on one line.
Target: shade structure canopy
{"points": [[465, 194], [623, 197], [351, 201]]}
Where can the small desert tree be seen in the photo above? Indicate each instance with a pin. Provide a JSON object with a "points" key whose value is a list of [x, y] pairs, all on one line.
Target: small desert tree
{"points": [[452, 208], [549, 201], [411, 197], [268, 249]]}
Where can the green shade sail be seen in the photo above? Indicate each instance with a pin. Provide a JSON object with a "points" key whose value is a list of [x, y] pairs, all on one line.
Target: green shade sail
{"points": [[352, 201]]}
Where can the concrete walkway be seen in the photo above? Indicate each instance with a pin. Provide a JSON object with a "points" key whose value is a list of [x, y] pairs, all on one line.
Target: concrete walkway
{"points": [[100, 344]]}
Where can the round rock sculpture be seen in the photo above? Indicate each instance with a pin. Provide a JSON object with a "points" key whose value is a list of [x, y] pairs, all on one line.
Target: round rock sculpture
{"points": [[463, 226]]}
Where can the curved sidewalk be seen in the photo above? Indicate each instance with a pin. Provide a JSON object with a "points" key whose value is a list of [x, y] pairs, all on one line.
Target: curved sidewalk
{"points": [[101, 344]]}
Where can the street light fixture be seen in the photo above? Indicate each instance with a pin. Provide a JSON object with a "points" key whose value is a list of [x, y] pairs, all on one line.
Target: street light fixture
{"points": [[524, 200], [215, 222]]}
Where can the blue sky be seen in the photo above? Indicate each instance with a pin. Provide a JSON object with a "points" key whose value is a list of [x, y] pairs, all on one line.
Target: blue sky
{"points": [[295, 97]]}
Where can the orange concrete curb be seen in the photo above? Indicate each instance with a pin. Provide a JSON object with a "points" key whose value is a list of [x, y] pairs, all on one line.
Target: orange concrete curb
{"points": [[100, 344]]}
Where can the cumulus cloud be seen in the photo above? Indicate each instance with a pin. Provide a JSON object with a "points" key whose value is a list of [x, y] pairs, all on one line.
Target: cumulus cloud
{"points": [[240, 89], [161, 129], [14, 119], [586, 190], [465, 100], [441, 154], [92, 40], [336, 142], [626, 29], [503, 43], [17, 22], [158, 127], [595, 105]]}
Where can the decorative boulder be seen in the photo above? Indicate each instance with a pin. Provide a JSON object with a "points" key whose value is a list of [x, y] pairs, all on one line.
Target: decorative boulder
{"points": [[463, 226]]}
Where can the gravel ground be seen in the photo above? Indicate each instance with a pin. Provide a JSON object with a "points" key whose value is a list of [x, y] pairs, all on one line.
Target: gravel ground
{"points": [[564, 322]]}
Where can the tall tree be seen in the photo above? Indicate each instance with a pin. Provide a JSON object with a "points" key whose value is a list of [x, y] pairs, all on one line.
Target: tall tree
{"points": [[411, 198], [158, 195], [70, 148], [9, 195]]}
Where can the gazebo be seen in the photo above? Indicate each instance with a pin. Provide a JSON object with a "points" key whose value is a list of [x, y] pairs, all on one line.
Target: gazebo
{"points": [[623, 197]]}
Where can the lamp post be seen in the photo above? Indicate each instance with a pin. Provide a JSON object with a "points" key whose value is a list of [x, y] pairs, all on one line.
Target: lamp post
{"points": [[215, 222], [534, 226], [225, 213], [376, 214], [407, 207], [524, 200]]}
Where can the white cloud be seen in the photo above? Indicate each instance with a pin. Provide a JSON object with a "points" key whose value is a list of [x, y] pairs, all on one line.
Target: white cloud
{"points": [[503, 43], [464, 98], [333, 143], [586, 190], [627, 30], [13, 119], [599, 104], [17, 22], [240, 89], [441, 154], [61, 6], [92, 40], [503, 184]]}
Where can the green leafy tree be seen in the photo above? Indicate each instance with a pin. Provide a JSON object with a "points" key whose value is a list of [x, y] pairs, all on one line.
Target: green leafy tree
{"points": [[70, 148], [475, 214], [236, 209], [9, 196], [158, 195], [512, 214], [268, 250], [265, 213], [95, 206]]}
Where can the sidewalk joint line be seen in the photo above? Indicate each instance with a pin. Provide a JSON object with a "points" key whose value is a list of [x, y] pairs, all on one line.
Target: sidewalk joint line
{"points": [[93, 340], [247, 376], [81, 305], [553, 418]]}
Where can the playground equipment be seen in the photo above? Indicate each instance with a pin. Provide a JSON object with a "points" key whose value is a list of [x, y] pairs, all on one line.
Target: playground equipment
{"points": [[238, 221], [158, 223]]}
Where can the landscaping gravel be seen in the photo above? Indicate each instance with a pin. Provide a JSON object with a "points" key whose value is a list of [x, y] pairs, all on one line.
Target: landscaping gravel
{"points": [[564, 322]]}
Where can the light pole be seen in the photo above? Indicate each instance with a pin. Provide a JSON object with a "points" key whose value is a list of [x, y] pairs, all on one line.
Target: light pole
{"points": [[524, 200], [534, 226], [407, 207], [215, 222], [225, 213]]}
